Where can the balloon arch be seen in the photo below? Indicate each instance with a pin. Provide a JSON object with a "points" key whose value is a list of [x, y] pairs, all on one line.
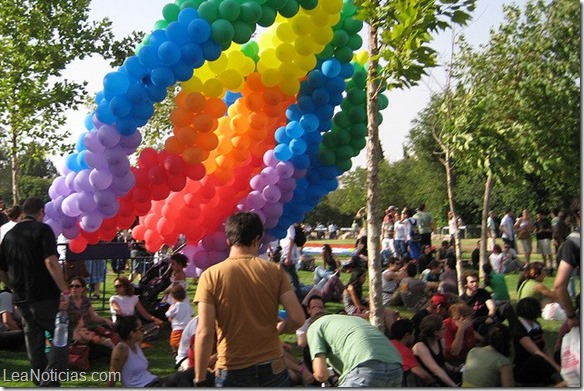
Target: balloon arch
{"points": [[264, 126]]}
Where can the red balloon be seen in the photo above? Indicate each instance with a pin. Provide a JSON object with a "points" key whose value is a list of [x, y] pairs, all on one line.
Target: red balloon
{"points": [[159, 192], [77, 245], [156, 175], [148, 158], [173, 164], [195, 171], [138, 232]]}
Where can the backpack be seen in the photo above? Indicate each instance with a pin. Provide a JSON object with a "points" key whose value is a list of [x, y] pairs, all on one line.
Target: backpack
{"points": [[414, 231], [299, 236]]}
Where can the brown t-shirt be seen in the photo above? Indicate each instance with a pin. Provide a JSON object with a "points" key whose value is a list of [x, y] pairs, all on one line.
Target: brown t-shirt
{"points": [[246, 293]]}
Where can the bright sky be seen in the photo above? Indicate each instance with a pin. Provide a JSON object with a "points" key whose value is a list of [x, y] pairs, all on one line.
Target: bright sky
{"points": [[130, 15]]}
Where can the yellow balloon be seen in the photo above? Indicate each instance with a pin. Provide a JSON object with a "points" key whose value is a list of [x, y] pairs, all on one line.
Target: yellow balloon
{"points": [[271, 77], [231, 79], [284, 32], [361, 57], [301, 25], [304, 46], [265, 41], [213, 88], [235, 58], [247, 66], [306, 63], [331, 6], [219, 65], [194, 84], [205, 73], [334, 19], [286, 53], [290, 86], [291, 71], [319, 19], [322, 35]]}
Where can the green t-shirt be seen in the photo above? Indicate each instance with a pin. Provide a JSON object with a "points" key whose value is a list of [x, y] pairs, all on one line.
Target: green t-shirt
{"points": [[482, 367], [527, 289], [499, 287], [349, 341], [425, 221]]}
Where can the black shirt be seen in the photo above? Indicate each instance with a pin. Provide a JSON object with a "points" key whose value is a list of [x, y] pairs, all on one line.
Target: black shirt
{"points": [[569, 251], [22, 256], [543, 229], [477, 302]]}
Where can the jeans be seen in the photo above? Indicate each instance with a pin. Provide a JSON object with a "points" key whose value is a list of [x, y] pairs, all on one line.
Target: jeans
{"points": [[261, 375], [39, 317], [373, 373], [400, 248], [320, 273]]}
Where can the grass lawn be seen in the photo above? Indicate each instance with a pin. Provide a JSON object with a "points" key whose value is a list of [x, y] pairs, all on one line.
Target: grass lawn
{"points": [[162, 360]]}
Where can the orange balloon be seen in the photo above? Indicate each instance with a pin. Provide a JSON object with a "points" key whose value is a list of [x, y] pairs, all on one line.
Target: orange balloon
{"points": [[174, 145], [196, 102], [239, 124], [207, 141], [240, 141], [180, 117], [181, 99], [203, 122], [254, 101], [257, 120], [216, 107], [192, 155], [187, 135], [254, 82]]}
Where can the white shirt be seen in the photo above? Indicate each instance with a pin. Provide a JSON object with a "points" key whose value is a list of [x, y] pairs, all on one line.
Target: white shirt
{"points": [[181, 313], [496, 262], [127, 305], [185, 338], [285, 244], [400, 231], [507, 227], [5, 228]]}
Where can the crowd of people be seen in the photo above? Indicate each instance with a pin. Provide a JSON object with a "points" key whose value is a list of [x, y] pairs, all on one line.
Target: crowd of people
{"points": [[234, 340]]}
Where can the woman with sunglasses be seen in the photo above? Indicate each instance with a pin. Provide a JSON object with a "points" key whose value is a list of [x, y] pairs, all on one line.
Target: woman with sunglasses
{"points": [[80, 303], [126, 303], [128, 363]]}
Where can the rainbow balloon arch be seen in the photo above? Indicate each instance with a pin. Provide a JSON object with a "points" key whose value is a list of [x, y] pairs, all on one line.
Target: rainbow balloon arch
{"points": [[264, 126]]}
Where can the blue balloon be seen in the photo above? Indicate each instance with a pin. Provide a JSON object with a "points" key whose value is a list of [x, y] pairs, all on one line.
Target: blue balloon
{"points": [[211, 50], [199, 30], [187, 15], [156, 38], [155, 93], [331, 68], [71, 162], [88, 121], [135, 68], [143, 110], [324, 112], [336, 85], [335, 99], [120, 106], [126, 126], [137, 93], [99, 96], [294, 130], [281, 136], [81, 161], [162, 77], [177, 32], [104, 114], [306, 104], [148, 57], [181, 71], [328, 172], [313, 139], [309, 122], [316, 79], [321, 96], [191, 53], [297, 146], [325, 125], [282, 152], [115, 83], [347, 70], [293, 112], [301, 162], [80, 145], [169, 53]]}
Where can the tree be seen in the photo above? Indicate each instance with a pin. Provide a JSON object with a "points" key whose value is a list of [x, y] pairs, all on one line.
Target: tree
{"points": [[38, 39], [399, 31]]}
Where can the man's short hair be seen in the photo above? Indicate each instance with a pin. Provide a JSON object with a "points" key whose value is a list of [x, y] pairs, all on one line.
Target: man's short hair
{"points": [[467, 274], [32, 206], [314, 297], [242, 228], [412, 269], [400, 328]]}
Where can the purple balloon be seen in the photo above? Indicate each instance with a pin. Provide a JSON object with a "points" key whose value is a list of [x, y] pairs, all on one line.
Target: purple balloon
{"points": [[56, 213], [85, 202], [116, 157], [273, 210], [50, 212], [92, 143], [269, 158], [270, 223], [68, 222], [255, 200], [271, 193], [81, 182], [285, 169], [287, 196], [91, 221], [59, 188], [287, 184], [257, 182], [95, 159], [71, 233], [70, 180], [108, 136], [100, 178], [70, 207], [55, 226], [122, 185], [260, 214], [270, 175], [132, 141]]}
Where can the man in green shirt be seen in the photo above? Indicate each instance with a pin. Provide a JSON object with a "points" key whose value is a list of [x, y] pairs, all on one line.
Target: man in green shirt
{"points": [[362, 355], [426, 224]]}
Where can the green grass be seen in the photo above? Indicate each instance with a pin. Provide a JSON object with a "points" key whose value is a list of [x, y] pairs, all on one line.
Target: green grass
{"points": [[162, 361]]}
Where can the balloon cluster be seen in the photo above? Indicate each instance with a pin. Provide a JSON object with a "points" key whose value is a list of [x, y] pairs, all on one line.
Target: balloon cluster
{"points": [[254, 126]]}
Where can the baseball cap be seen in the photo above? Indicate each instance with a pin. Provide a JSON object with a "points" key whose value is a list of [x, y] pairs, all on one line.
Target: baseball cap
{"points": [[438, 299], [391, 207]]}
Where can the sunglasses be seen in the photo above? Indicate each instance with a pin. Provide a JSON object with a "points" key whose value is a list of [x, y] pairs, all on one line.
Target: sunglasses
{"points": [[75, 286]]}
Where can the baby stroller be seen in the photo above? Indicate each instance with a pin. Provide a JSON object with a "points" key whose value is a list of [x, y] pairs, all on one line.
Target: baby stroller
{"points": [[155, 281]]}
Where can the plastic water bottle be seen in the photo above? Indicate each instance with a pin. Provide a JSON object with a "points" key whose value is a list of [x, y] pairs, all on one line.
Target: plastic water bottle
{"points": [[61, 329]]}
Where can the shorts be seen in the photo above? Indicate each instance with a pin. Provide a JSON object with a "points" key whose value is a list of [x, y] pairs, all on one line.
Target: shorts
{"points": [[526, 244], [544, 247], [175, 338]]}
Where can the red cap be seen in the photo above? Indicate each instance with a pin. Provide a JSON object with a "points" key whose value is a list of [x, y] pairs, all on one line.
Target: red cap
{"points": [[438, 299]]}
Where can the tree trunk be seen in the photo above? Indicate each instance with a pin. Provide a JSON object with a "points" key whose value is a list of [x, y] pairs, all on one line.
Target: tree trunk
{"points": [[450, 189], [373, 160], [484, 231], [14, 167]]}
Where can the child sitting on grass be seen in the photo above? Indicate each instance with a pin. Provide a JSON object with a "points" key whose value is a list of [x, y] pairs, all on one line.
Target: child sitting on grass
{"points": [[179, 314]]}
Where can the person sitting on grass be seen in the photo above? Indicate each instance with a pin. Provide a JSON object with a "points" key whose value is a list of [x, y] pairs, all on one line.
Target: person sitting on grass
{"points": [[459, 335], [330, 265], [128, 362], [402, 337], [490, 366], [438, 305], [496, 282], [530, 284], [415, 292], [126, 303], [484, 308], [353, 300], [179, 314], [98, 346]]}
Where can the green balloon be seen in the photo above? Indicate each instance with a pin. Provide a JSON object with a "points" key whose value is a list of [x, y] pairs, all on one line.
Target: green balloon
{"points": [[341, 119], [329, 140], [344, 152], [222, 31], [358, 144], [268, 16], [344, 54], [379, 118], [290, 9], [343, 136], [340, 38], [170, 12], [190, 4], [382, 102], [251, 50], [242, 32], [251, 12], [229, 10], [352, 26], [276, 4], [209, 11], [160, 24], [326, 156], [327, 52], [308, 4], [360, 79], [358, 115], [355, 42], [356, 96], [345, 165], [358, 130], [349, 8]]}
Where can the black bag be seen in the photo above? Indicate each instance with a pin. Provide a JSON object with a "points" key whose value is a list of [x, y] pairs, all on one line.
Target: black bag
{"points": [[415, 232], [299, 236]]}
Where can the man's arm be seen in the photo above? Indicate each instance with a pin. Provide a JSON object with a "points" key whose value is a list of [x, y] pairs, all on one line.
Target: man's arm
{"points": [[320, 368], [52, 265], [295, 317], [205, 337], [561, 290]]}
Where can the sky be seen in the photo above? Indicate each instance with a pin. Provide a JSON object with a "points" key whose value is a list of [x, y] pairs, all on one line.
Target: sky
{"points": [[404, 105]]}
